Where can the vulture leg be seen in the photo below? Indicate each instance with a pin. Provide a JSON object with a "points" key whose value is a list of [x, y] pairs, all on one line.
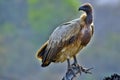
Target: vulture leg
{"points": [[74, 69], [80, 68], [70, 68], [75, 60]]}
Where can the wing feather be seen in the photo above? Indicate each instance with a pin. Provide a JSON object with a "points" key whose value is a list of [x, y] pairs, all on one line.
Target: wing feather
{"points": [[61, 37]]}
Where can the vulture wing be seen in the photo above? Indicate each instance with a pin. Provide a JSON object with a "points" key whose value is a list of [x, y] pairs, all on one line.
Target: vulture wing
{"points": [[62, 36]]}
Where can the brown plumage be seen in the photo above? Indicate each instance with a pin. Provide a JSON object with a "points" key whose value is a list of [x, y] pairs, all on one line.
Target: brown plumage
{"points": [[68, 39]]}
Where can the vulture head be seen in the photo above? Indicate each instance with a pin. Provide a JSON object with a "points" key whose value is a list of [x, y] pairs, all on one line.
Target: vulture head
{"points": [[86, 7]]}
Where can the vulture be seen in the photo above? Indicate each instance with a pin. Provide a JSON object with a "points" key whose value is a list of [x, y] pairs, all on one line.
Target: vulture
{"points": [[68, 39]]}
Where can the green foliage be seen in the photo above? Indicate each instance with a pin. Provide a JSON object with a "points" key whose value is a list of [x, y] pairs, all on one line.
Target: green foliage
{"points": [[74, 4], [43, 14]]}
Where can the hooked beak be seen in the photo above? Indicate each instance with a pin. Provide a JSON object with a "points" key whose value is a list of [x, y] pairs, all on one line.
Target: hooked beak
{"points": [[81, 8]]}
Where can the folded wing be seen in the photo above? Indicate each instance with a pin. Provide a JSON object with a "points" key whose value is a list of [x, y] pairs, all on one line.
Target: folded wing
{"points": [[62, 36]]}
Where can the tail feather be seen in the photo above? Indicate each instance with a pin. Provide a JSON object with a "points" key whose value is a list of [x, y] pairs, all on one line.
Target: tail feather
{"points": [[46, 63], [41, 55], [41, 51]]}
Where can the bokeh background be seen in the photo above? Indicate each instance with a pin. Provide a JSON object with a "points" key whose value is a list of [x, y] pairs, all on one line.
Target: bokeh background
{"points": [[26, 24]]}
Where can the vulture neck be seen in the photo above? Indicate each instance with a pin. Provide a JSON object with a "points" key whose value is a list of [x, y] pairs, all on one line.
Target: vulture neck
{"points": [[89, 18]]}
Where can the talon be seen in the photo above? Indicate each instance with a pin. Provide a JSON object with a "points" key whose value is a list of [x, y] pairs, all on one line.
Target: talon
{"points": [[81, 69], [77, 67], [87, 71], [71, 71]]}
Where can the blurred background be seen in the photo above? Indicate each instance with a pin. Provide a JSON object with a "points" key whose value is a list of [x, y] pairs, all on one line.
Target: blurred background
{"points": [[26, 24]]}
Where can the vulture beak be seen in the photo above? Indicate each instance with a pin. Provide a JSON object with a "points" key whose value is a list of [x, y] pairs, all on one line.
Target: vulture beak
{"points": [[82, 8]]}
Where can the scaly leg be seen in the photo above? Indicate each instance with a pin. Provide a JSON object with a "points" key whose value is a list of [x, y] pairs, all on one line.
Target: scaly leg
{"points": [[74, 69], [81, 69], [70, 68]]}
